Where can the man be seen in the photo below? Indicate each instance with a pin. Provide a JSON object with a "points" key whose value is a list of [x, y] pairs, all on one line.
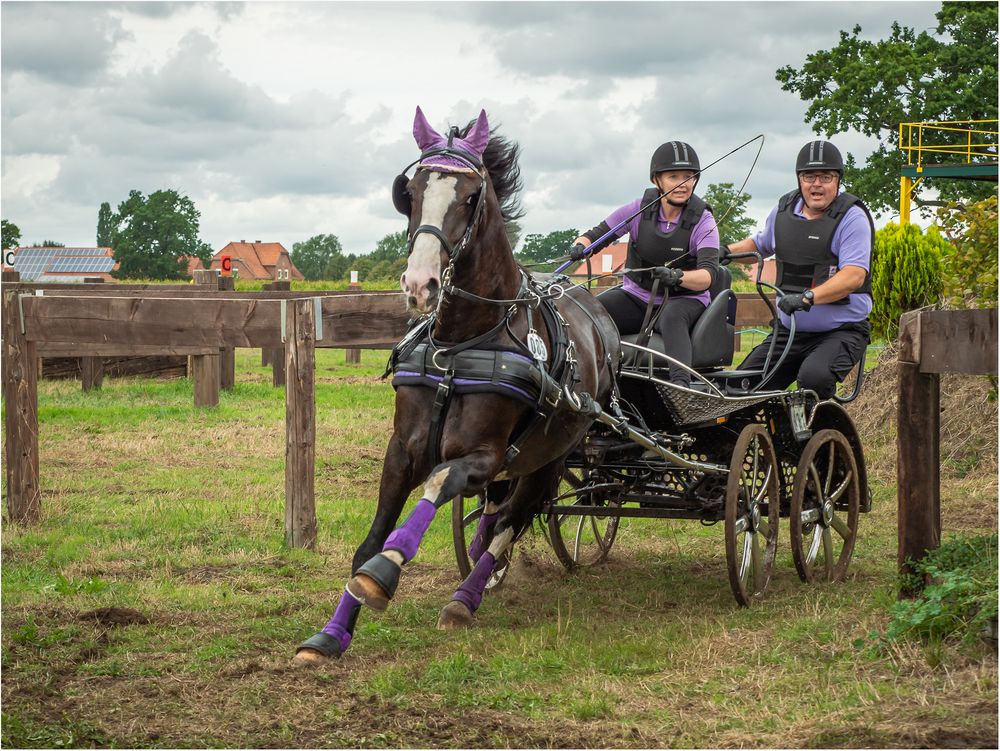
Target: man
{"points": [[822, 240], [676, 242]]}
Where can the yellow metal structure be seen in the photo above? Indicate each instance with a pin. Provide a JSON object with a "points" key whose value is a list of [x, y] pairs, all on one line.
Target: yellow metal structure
{"points": [[970, 147]]}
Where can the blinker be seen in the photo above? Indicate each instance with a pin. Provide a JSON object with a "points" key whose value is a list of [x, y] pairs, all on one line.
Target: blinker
{"points": [[400, 198]]}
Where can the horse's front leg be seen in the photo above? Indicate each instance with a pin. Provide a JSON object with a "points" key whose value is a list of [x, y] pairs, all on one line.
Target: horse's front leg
{"points": [[333, 640], [375, 582]]}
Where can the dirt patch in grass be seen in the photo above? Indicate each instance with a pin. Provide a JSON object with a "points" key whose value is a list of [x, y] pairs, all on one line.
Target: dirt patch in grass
{"points": [[112, 617]]}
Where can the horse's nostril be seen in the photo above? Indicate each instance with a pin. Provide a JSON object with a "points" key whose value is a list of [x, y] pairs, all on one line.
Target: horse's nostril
{"points": [[432, 286], [412, 300]]}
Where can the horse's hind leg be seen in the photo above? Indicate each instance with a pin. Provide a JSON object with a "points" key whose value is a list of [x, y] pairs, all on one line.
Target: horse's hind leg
{"points": [[496, 493], [465, 601], [375, 582], [526, 498]]}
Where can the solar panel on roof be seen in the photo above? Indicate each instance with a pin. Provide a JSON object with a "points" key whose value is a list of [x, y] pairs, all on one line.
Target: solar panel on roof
{"points": [[82, 264]]}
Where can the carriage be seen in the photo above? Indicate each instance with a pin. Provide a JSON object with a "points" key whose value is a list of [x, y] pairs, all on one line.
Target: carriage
{"points": [[722, 450]]}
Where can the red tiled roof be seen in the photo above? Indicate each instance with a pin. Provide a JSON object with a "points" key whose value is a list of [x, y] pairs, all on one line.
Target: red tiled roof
{"points": [[616, 252], [255, 260]]}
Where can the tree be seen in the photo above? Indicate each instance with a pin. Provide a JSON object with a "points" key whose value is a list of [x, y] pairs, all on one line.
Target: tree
{"points": [[105, 225], [48, 244], [729, 208], [11, 234], [513, 229], [153, 237], [538, 247], [313, 256], [391, 247], [871, 87]]}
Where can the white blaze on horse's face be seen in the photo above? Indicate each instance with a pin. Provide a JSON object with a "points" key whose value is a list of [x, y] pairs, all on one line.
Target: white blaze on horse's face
{"points": [[422, 280]]}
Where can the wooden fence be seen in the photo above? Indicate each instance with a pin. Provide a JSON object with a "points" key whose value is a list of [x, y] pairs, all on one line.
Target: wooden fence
{"points": [[97, 325], [97, 321], [931, 343]]}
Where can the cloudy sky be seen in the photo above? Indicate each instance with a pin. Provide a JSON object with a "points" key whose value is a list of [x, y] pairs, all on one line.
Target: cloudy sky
{"points": [[285, 120]]}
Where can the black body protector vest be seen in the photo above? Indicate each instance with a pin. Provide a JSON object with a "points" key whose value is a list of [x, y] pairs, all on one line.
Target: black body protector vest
{"points": [[655, 248], [803, 248]]}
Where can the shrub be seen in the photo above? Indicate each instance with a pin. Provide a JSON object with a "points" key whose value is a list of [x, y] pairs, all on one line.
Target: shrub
{"points": [[961, 597], [969, 264], [905, 273]]}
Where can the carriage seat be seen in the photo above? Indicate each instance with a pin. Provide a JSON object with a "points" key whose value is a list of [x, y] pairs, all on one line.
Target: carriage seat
{"points": [[712, 336]]}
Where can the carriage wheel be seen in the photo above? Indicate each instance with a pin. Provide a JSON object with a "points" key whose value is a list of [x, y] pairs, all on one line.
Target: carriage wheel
{"points": [[465, 513], [582, 540], [752, 500], [824, 512]]}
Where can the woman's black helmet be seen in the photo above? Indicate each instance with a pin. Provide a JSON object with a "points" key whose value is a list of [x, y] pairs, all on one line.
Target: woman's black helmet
{"points": [[674, 155], [819, 155]]}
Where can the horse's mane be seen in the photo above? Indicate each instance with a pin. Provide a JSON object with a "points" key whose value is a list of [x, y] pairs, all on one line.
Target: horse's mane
{"points": [[500, 160]]}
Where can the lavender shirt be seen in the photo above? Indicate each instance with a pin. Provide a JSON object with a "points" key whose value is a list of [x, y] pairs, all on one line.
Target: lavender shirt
{"points": [[851, 244], [704, 235]]}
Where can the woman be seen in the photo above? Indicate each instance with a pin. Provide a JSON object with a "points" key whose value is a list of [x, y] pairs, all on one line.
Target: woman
{"points": [[677, 240]]}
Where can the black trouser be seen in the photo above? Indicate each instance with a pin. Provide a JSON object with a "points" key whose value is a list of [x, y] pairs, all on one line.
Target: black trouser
{"points": [[818, 360], [675, 323]]}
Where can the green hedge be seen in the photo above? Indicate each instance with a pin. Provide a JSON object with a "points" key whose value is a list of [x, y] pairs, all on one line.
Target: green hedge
{"points": [[906, 274]]}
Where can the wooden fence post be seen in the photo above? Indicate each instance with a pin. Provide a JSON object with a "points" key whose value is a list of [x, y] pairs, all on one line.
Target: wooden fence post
{"points": [[205, 373], [20, 384], [276, 355], [91, 372], [300, 423], [931, 343], [352, 355], [227, 365]]}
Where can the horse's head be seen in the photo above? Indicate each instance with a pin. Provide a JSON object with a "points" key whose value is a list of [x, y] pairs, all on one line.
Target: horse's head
{"points": [[445, 201]]}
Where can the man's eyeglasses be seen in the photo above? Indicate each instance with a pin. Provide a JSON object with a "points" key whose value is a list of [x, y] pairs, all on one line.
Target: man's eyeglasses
{"points": [[821, 177]]}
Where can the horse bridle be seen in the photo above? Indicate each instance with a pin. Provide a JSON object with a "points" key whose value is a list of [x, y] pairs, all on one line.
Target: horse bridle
{"points": [[403, 204]]}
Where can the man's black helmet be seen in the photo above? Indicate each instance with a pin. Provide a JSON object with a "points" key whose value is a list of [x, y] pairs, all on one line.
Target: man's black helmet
{"points": [[674, 155], [819, 155]]}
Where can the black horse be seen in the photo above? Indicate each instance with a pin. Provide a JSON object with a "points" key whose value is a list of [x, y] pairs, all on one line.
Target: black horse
{"points": [[492, 383]]}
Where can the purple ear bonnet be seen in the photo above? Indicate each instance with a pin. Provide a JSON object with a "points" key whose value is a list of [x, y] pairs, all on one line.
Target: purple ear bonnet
{"points": [[473, 144]]}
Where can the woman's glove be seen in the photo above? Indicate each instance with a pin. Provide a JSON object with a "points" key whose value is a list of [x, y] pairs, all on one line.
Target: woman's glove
{"points": [[668, 277]]}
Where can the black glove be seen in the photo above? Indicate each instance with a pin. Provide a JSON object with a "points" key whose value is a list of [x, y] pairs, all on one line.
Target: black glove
{"points": [[667, 276], [578, 252], [724, 253], [792, 303]]}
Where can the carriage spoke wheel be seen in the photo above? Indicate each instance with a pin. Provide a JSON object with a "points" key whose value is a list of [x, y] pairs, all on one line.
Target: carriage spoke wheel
{"points": [[465, 513], [582, 540], [823, 515], [752, 508]]}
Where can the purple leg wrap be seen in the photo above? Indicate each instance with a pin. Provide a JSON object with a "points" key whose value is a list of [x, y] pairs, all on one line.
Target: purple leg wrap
{"points": [[342, 623], [478, 544], [406, 538], [471, 590]]}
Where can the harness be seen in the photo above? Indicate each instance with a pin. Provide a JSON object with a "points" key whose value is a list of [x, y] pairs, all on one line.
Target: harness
{"points": [[482, 366]]}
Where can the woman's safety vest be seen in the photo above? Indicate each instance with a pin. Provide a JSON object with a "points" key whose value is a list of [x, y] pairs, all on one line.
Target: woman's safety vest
{"points": [[655, 248], [803, 248]]}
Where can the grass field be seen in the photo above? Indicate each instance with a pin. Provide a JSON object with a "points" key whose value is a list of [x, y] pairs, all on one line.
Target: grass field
{"points": [[155, 605]]}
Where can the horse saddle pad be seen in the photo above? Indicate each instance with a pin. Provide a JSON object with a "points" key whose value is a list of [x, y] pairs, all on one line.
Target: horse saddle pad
{"points": [[473, 371]]}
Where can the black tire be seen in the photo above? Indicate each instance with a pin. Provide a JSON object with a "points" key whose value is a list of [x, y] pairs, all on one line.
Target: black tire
{"points": [[753, 494], [826, 500], [582, 540]]}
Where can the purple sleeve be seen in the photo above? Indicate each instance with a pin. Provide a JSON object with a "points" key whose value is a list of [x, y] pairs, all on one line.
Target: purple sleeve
{"points": [[852, 241], [705, 234], [619, 215], [764, 240]]}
